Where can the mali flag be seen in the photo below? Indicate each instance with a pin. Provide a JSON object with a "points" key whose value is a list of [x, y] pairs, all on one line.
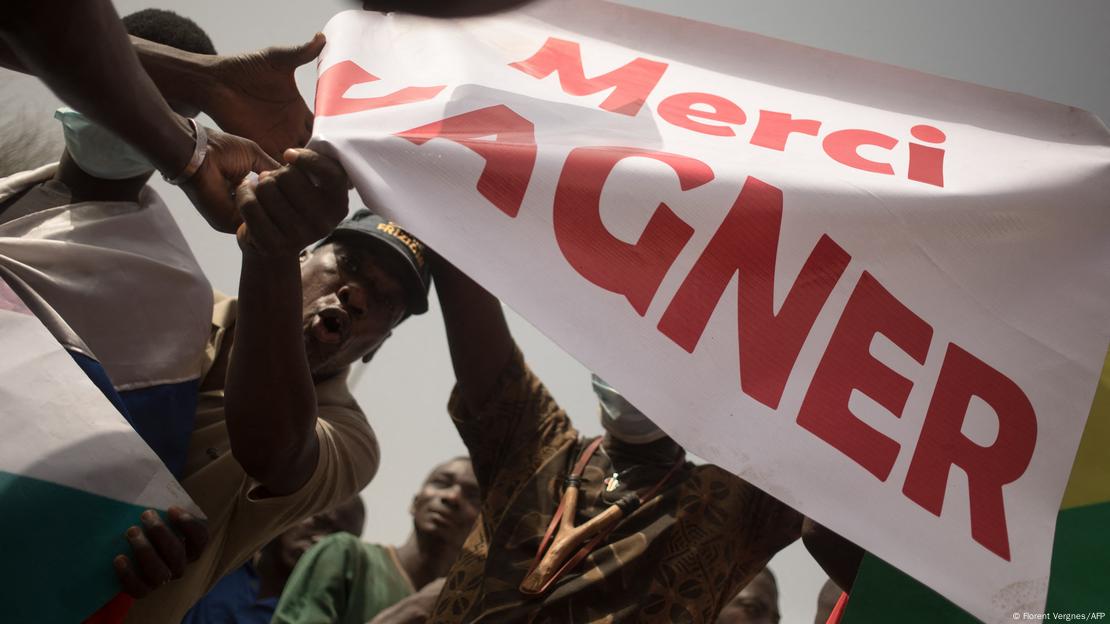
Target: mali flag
{"points": [[1080, 579]]}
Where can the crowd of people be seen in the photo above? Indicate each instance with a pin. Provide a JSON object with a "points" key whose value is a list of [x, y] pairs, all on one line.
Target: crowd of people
{"points": [[537, 523]]}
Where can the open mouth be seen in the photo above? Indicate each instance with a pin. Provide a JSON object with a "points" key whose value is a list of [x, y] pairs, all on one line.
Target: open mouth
{"points": [[331, 326]]}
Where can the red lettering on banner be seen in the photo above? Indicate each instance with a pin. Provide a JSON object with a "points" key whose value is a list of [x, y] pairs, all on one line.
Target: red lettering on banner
{"points": [[678, 109], [942, 445], [631, 83], [848, 365], [634, 82], [510, 157], [774, 128], [333, 84], [843, 147], [926, 163], [633, 270], [747, 242]]}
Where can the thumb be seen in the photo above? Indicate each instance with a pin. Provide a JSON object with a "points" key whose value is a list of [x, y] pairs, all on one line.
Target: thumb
{"points": [[260, 160], [296, 56]]}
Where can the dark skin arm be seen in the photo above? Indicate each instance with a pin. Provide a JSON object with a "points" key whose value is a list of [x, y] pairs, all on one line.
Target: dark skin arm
{"points": [[270, 397], [838, 557], [477, 333], [99, 74], [252, 95]]}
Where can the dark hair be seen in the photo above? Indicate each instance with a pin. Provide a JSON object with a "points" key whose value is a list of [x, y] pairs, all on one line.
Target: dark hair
{"points": [[169, 28]]}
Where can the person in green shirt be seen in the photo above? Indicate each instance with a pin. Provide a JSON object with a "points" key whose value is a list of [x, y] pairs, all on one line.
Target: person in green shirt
{"points": [[344, 580]]}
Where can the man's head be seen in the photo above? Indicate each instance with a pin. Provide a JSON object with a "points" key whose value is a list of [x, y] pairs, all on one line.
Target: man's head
{"points": [[169, 28], [757, 602], [288, 547], [357, 285], [447, 504], [99, 152]]}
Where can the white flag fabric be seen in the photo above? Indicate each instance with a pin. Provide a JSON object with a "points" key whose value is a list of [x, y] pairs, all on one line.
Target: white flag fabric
{"points": [[74, 475], [879, 295]]}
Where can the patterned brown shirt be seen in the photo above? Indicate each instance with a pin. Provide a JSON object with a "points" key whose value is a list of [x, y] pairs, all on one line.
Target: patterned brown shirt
{"points": [[678, 558]]}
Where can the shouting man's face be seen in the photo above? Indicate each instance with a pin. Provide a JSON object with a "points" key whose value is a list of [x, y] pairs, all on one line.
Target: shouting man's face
{"points": [[351, 302]]}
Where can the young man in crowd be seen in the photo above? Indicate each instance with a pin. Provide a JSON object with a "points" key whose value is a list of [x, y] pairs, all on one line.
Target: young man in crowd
{"points": [[634, 533], [344, 580], [757, 603], [250, 594]]}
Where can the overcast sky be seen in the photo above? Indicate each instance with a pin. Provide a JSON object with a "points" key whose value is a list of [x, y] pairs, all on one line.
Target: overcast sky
{"points": [[1057, 50]]}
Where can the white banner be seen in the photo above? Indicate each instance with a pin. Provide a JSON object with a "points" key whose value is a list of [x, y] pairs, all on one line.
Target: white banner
{"points": [[912, 345]]}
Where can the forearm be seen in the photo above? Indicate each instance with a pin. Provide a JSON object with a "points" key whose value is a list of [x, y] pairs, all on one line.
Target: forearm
{"points": [[180, 76], [838, 557], [81, 51], [477, 333], [270, 398]]}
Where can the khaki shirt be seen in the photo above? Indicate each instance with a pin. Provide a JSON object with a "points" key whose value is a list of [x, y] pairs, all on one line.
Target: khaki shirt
{"points": [[239, 521], [678, 558]]}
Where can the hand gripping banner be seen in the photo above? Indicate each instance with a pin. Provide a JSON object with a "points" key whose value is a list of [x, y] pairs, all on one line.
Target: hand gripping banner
{"points": [[879, 295]]}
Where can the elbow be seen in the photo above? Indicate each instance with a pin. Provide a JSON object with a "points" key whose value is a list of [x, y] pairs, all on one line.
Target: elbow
{"points": [[280, 453], [280, 471]]}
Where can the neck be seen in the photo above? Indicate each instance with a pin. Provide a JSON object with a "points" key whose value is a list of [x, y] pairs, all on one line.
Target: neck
{"points": [[272, 575], [662, 452], [84, 187], [425, 559]]}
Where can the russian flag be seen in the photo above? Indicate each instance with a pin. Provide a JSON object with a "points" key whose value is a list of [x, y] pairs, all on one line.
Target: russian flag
{"points": [[74, 475], [104, 319]]}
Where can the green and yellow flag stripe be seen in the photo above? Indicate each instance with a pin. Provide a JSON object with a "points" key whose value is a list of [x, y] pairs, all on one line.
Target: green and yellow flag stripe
{"points": [[1080, 578]]}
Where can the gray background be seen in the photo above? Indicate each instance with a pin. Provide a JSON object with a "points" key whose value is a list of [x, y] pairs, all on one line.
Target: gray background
{"points": [[1053, 49]]}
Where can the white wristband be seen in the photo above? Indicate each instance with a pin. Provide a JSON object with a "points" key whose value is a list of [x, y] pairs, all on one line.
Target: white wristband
{"points": [[200, 150]]}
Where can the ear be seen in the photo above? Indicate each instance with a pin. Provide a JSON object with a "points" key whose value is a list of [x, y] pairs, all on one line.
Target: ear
{"points": [[305, 253]]}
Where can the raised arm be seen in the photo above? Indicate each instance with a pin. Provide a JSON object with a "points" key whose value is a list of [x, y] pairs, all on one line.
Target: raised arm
{"points": [[270, 397], [252, 95], [82, 52], [477, 333]]}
